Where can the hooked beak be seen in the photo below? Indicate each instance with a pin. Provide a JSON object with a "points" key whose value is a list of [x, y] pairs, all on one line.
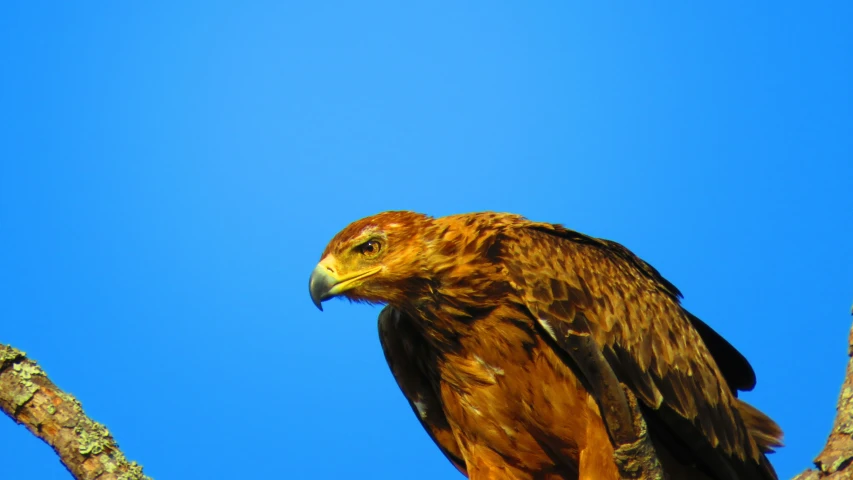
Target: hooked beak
{"points": [[325, 282], [320, 284]]}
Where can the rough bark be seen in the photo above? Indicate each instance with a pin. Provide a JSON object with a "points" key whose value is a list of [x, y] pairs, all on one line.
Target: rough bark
{"points": [[834, 462], [86, 448]]}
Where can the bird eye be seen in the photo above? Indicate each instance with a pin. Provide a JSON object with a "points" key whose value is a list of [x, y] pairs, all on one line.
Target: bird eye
{"points": [[370, 248]]}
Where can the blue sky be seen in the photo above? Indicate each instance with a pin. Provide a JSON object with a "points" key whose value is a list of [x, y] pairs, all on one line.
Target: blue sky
{"points": [[170, 173]]}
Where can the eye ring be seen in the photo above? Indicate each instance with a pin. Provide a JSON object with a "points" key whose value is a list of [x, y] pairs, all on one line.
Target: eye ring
{"points": [[370, 248]]}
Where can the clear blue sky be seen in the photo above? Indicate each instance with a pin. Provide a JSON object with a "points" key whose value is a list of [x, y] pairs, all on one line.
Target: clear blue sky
{"points": [[171, 172]]}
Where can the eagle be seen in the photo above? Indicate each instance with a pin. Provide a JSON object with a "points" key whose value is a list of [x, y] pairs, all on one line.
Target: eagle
{"points": [[519, 346]]}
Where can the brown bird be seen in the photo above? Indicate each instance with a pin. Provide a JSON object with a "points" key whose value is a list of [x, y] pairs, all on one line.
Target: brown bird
{"points": [[509, 338]]}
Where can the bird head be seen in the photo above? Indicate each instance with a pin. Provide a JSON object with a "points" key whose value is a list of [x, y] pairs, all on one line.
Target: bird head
{"points": [[376, 259]]}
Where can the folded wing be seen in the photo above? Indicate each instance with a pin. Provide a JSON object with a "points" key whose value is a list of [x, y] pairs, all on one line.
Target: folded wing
{"points": [[413, 367], [577, 286]]}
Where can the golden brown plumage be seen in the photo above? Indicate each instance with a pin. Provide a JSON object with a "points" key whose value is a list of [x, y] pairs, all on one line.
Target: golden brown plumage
{"points": [[507, 336]]}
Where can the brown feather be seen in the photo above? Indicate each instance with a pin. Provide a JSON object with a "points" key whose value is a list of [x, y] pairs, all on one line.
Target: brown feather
{"points": [[484, 313], [683, 370], [414, 369]]}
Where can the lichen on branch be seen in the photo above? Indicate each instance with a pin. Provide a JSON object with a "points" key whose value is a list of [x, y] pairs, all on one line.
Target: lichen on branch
{"points": [[85, 447], [835, 462]]}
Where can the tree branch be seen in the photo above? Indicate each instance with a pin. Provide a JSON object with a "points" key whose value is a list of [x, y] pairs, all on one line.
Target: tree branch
{"points": [[86, 448], [834, 462]]}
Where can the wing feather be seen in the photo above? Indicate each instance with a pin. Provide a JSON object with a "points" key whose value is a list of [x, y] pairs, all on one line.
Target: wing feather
{"points": [[599, 288], [408, 357]]}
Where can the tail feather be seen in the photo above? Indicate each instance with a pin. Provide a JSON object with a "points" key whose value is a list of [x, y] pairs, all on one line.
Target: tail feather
{"points": [[765, 432]]}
